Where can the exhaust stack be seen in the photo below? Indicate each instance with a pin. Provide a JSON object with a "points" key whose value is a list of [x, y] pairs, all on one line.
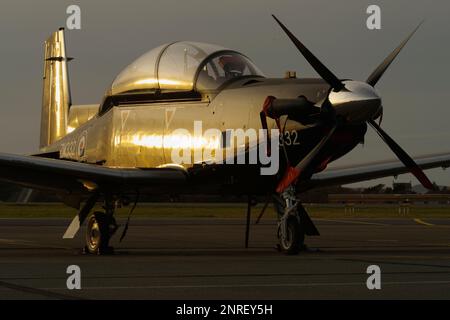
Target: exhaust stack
{"points": [[56, 98]]}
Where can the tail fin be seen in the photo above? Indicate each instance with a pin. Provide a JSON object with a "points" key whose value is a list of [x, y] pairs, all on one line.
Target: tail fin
{"points": [[56, 98]]}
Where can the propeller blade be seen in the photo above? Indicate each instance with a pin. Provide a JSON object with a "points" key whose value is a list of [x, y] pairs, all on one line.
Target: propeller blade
{"points": [[379, 71], [403, 156], [380, 120], [292, 173], [320, 68]]}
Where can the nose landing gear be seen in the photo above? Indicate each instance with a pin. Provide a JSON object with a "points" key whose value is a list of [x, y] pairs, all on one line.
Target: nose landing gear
{"points": [[293, 224], [290, 236]]}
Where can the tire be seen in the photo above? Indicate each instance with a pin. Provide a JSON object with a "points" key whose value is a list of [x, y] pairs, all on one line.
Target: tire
{"points": [[98, 233], [295, 237]]}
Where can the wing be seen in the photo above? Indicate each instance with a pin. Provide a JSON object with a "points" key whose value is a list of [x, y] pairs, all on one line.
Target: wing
{"points": [[69, 177], [76, 178], [364, 172]]}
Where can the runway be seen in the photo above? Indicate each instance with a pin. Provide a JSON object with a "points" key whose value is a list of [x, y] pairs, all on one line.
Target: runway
{"points": [[201, 258]]}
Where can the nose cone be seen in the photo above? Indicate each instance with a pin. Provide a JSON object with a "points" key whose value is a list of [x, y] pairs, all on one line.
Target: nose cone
{"points": [[358, 102]]}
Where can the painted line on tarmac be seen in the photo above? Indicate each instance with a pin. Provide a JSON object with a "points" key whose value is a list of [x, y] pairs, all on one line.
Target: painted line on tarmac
{"points": [[18, 242], [437, 245], [35, 291], [354, 222], [420, 221], [258, 285], [31, 244]]}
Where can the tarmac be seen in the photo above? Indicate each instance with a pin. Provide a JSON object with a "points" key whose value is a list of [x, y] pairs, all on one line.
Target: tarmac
{"points": [[203, 258]]}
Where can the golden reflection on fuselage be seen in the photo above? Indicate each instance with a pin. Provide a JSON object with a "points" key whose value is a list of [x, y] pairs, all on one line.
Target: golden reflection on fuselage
{"points": [[171, 141]]}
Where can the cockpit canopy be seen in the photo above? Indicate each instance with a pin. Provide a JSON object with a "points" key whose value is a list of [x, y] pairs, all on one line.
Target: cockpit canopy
{"points": [[183, 66]]}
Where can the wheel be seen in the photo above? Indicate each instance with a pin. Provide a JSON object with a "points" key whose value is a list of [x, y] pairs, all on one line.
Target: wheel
{"points": [[100, 228], [294, 240]]}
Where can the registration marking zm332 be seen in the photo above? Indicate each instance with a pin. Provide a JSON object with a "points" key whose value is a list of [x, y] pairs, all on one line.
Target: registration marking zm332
{"points": [[289, 138]]}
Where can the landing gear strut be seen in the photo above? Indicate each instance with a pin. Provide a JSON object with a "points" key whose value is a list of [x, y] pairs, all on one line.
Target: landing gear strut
{"points": [[294, 222], [291, 234], [100, 228]]}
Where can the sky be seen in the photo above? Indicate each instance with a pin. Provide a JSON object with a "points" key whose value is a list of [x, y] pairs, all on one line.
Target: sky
{"points": [[415, 89]]}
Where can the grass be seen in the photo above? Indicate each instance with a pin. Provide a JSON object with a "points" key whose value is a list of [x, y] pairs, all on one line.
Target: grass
{"points": [[220, 210]]}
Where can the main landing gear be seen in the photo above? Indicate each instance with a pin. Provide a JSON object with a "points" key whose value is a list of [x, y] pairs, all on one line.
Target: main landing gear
{"points": [[101, 226], [293, 223]]}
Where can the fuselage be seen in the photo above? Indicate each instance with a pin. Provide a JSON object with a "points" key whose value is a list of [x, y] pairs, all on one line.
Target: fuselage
{"points": [[140, 134], [168, 101]]}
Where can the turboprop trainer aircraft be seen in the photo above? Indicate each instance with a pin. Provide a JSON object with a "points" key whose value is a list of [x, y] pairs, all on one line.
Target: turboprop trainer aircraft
{"points": [[122, 148]]}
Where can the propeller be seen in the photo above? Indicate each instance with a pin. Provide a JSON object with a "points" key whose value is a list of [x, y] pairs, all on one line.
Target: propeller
{"points": [[351, 101], [320, 68], [403, 156], [380, 117], [379, 71]]}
